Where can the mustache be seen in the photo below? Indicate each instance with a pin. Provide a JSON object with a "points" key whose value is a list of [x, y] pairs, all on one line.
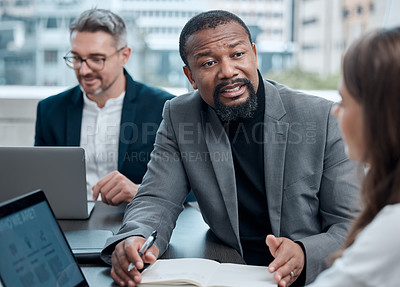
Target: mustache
{"points": [[222, 85], [89, 76]]}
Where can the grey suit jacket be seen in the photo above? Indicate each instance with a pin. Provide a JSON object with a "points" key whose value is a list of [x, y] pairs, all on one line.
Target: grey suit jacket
{"points": [[310, 185]]}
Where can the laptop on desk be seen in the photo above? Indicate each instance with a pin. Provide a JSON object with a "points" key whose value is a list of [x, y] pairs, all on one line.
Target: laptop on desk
{"points": [[59, 171], [33, 248], [87, 245]]}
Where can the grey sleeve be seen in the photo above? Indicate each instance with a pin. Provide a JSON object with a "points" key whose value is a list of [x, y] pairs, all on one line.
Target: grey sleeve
{"points": [[160, 198]]}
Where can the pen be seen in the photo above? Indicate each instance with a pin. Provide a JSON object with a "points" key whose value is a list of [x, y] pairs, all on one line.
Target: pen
{"points": [[147, 244]]}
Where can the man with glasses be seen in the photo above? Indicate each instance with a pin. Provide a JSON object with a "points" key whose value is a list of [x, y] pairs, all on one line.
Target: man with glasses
{"points": [[111, 116]]}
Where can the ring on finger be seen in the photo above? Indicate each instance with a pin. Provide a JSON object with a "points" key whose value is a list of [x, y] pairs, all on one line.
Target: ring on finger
{"points": [[291, 274]]}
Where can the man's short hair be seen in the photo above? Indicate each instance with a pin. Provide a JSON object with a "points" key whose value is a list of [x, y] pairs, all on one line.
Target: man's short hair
{"points": [[95, 20], [207, 20]]}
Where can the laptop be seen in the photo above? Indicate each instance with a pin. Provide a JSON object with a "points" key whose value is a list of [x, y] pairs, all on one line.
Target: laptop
{"points": [[34, 251], [59, 171], [86, 245]]}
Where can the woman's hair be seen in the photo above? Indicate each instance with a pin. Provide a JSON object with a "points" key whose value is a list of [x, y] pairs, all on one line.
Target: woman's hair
{"points": [[371, 74]]}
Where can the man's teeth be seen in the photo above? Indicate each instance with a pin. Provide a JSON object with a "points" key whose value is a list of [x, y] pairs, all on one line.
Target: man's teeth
{"points": [[232, 90]]}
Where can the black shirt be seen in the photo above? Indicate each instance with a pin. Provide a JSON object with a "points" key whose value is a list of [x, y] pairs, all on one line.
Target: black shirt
{"points": [[247, 142]]}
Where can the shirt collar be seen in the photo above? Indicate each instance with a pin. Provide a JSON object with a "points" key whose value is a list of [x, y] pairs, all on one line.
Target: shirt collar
{"points": [[110, 102]]}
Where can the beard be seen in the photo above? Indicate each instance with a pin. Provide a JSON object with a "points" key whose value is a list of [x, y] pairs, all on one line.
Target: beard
{"points": [[102, 87], [232, 113]]}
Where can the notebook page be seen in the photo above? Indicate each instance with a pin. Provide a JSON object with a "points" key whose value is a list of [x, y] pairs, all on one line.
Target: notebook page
{"points": [[238, 275], [185, 270]]}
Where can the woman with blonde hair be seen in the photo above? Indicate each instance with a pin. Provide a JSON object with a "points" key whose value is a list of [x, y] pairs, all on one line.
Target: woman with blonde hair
{"points": [[369, 117]]}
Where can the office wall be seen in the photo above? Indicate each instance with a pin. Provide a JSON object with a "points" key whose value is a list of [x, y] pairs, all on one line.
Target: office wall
{"points": [[17, 118], [18, 113]]}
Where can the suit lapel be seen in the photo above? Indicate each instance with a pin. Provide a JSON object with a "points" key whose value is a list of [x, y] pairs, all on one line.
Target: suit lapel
{"points": [[127, 119], [275, 141], [74, 118], [221, 158]]}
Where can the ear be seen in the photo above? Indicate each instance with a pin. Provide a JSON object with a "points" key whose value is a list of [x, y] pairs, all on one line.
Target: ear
{"points": [[189, 75], [255, 52], [125, 55]]}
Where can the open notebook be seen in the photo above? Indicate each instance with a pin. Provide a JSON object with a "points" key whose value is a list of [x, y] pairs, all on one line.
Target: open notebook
{"points": [[34, 251], [205, 273]]}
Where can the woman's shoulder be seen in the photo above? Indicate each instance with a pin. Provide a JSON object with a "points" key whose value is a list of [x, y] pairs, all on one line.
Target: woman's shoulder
{"points": [[385, 224], [389, 212]]}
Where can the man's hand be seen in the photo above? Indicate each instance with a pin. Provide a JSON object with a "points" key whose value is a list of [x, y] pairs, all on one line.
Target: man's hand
{"points": [[127, 251], [115, 188], [289, 260]]}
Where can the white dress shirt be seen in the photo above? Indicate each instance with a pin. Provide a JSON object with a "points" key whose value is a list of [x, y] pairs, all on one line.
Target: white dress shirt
{"points": [[374, 257], [100, 138]]}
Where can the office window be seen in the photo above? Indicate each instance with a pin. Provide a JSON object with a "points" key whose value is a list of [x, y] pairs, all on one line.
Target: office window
{"points": [[372, 7], [51, 23], [310, 21], [50, 56], [22, 3], [30, 26], [276, 20], [346, 13], [309, 47]]}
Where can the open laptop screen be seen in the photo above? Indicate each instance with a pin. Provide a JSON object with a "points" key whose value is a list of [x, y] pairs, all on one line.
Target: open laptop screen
{"points": [[32, 246]]}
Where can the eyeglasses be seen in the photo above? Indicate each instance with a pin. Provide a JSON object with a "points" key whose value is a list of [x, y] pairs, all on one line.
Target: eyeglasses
{"points": [[95, 63]]}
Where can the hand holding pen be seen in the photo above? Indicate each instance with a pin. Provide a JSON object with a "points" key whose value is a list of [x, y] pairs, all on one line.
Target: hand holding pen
{"points": [[147, 244]]}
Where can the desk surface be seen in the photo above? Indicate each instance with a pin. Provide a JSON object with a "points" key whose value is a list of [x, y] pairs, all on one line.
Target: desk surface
{"points": [[190, 238], [103, 217]]}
